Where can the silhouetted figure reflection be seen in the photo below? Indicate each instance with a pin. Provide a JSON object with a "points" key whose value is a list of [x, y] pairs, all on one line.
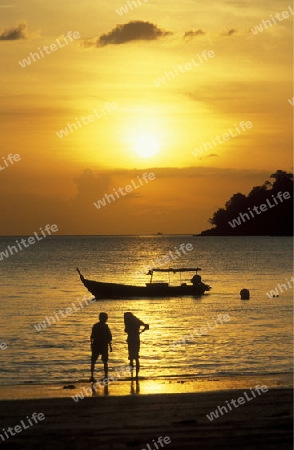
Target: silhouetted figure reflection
{"points": [[133, 390], [132, 328], [96, 391]]}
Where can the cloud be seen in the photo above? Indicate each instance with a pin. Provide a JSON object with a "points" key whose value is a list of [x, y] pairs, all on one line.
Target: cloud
{"points": [[192, 33], [87, 43], [14, 33], [196, 33], [88, 182], [229, 33], [191, 172], [232, 31], [211, 155], [36, 199], [92, 186], [132, 31]]}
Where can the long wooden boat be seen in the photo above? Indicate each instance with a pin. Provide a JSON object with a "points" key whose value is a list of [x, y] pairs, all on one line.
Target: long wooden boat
{"points": [[102, 290]]}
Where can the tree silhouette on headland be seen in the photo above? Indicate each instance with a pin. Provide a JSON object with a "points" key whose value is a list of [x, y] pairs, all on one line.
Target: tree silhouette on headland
{"points": [[275, 220]]}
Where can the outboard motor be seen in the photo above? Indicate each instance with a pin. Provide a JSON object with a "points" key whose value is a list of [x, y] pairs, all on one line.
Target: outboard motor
{"points": [[245, 294]]}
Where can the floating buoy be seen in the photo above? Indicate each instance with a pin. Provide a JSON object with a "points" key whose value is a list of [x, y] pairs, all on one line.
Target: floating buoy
{"points": [[245, 294]]}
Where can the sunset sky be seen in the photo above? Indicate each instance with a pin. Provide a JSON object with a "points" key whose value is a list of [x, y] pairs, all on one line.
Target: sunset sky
{"points": [[116, 61]]}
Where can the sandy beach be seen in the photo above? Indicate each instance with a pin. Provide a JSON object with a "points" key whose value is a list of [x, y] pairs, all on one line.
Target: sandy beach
{"points": [[133, 421]]}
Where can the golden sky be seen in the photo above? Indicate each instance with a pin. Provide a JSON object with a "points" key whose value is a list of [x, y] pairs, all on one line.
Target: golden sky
{"points": [[110, 74]]}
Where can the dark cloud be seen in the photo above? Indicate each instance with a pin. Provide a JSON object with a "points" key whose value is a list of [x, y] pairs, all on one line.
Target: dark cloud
{"points": [[14, 33], [211, 155], [232, 31], [132, 31], [87, 43], [189, 172], [229, 33], [37, 201], [88, 183], [192, 33], [92, 186]]}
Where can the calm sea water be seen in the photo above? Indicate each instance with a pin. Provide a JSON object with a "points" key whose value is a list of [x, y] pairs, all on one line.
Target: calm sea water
{"points": [[41, 280]]}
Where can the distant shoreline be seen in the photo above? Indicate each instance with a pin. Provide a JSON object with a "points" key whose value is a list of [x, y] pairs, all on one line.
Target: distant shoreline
{"points": [[150, 235], [241, 235]]}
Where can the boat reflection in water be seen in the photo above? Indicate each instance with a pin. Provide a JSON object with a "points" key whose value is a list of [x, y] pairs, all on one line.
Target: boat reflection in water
{"points": [[102, 290]]}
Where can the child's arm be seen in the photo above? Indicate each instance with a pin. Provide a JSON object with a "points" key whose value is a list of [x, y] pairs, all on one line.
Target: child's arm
{"points": [[146, 327], [91, 339], [110, 340]]}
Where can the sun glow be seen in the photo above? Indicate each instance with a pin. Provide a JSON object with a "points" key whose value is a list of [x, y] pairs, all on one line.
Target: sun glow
{"points": [[146, 146]]}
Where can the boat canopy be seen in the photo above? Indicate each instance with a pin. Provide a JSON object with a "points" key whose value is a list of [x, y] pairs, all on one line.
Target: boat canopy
{"points": [[182, 269]]}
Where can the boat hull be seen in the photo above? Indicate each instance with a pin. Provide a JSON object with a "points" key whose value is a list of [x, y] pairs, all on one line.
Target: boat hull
{"points": [[116, 291]]}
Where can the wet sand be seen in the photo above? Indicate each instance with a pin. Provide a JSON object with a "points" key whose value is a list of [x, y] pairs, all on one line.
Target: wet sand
{"points": [[146, 386], [133, 421]]}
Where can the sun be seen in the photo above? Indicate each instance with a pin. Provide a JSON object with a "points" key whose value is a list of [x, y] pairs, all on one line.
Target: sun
{"points": [[147, 146]]}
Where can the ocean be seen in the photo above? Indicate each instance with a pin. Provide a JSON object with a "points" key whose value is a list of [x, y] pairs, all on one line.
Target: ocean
{"points": [[41, 280]]}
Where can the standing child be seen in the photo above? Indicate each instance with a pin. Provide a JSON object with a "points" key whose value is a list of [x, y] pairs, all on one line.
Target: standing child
{"points": [[100, 339], [132, 328]]}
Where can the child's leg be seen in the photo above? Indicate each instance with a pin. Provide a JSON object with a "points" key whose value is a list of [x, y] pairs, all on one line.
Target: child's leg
{"points": [[106, 369], [93, 361], [137, 367], [132, 366], [104, 358]]}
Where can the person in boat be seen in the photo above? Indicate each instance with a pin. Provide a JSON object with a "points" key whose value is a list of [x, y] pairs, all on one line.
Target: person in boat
{"points": [[196, 280], [132, 328], [101, 338]]}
